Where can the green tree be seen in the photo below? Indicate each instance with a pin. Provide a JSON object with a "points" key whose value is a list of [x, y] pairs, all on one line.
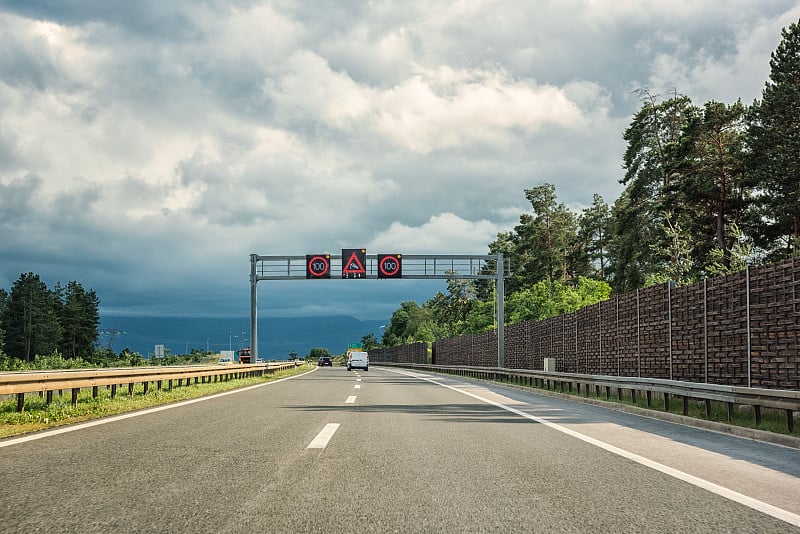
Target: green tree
{"points": [[638, 227], [679, 265], [711, 193], [405, 324], [546, 236], [773, 136], [740, 255], [593, 230], [448, 311], [79, 320], [134, 359], [545, 299], [369, 342], [3, 307], [319, 352], [31, 320], [481, 317]]}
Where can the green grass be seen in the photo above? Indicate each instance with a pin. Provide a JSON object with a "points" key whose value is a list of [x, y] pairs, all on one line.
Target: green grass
{"points": [[772, 420], [38, 415]]}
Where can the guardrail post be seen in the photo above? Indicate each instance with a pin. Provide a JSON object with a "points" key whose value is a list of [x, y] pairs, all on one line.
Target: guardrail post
{"points": [[94, 392], [130, 389], [790, 420], [75, 396], [113, 390], [146, 387], [666, 402], [20, 401], [48, 397]]}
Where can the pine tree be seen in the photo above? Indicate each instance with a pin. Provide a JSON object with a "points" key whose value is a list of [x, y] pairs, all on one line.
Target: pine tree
{"points": [[639, 234], [710, 194], [31, 319], [774, 141], [593, 230], [79, 320]]}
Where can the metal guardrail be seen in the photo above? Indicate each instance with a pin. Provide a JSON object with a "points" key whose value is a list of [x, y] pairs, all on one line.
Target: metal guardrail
{"points": [[46, 382], [758, 398]]}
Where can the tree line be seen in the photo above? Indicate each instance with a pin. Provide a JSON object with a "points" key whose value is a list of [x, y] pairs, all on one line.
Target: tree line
{"points": [[39, 321], [707, 190]]}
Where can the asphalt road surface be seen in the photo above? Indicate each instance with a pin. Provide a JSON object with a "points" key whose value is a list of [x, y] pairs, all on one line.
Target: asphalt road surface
{"points": [[390, 450]]}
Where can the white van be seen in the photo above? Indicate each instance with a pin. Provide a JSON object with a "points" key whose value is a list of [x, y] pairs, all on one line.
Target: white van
{"points": [[357, 360]]}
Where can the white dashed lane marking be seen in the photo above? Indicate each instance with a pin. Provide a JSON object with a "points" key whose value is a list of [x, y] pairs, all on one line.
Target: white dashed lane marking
{"points": [[350, 400], [324, 436]]}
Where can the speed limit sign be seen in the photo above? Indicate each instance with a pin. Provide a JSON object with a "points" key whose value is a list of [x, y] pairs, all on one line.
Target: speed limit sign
{"points": [[318, 266], [390, 266]]}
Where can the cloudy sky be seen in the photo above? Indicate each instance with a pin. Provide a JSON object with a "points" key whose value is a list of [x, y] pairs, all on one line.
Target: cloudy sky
{"points": [[148, 148]]}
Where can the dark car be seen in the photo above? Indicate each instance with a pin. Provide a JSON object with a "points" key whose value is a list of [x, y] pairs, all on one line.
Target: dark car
{"points": [[325, 360]]}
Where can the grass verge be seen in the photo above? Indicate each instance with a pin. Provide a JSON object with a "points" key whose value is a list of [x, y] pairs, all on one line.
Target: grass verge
{"points": [[772, 420], [38, 415]]}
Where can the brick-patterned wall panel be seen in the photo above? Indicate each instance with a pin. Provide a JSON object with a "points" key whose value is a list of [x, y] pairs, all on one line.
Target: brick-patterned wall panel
{"points": [[632, 335], [517, 337], [588, 340], [727, 329], [413, 353], [608, 338], [627, 334], [775, 326], [688, 333], [654, 331]]}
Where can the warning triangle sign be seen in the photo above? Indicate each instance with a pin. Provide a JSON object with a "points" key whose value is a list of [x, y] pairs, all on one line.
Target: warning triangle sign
{"points": [[354, 265]]}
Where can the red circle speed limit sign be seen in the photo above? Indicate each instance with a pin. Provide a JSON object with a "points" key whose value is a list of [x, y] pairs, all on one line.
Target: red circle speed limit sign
{"points": [[390, 266], [318, 266]]}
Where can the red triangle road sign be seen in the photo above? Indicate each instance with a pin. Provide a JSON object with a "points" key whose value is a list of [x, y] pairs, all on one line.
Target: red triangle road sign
{"points": [[353, 265]]}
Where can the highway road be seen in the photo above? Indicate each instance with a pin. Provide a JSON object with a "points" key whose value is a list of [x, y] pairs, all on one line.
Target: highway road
{"points": [[390, 450]]}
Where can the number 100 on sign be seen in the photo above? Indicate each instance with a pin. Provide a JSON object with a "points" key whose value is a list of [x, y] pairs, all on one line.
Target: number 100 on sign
{"points": [[390, 266], [318, 266]]}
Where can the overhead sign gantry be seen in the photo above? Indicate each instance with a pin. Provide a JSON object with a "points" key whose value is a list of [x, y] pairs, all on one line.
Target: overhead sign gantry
{"points": [[357, 264]]}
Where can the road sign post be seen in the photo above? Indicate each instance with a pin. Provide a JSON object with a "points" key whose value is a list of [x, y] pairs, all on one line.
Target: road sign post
{"points": [[356, 263]]}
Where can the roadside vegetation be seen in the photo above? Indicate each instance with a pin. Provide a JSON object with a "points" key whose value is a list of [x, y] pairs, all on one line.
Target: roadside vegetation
{"points": [[708, 190], [38, 415], [772, 420]]}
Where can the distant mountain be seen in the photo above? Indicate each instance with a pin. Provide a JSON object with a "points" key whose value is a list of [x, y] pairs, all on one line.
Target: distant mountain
{"points": [[277, 336]]}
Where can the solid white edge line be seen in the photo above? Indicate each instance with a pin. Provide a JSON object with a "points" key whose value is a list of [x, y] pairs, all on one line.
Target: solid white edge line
{"points": [[750, 502], [324, 436], [113, 418]]}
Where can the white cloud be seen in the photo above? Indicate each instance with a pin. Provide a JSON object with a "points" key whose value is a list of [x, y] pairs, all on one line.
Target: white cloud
{"points": [[444, 233], [204, 132]]}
